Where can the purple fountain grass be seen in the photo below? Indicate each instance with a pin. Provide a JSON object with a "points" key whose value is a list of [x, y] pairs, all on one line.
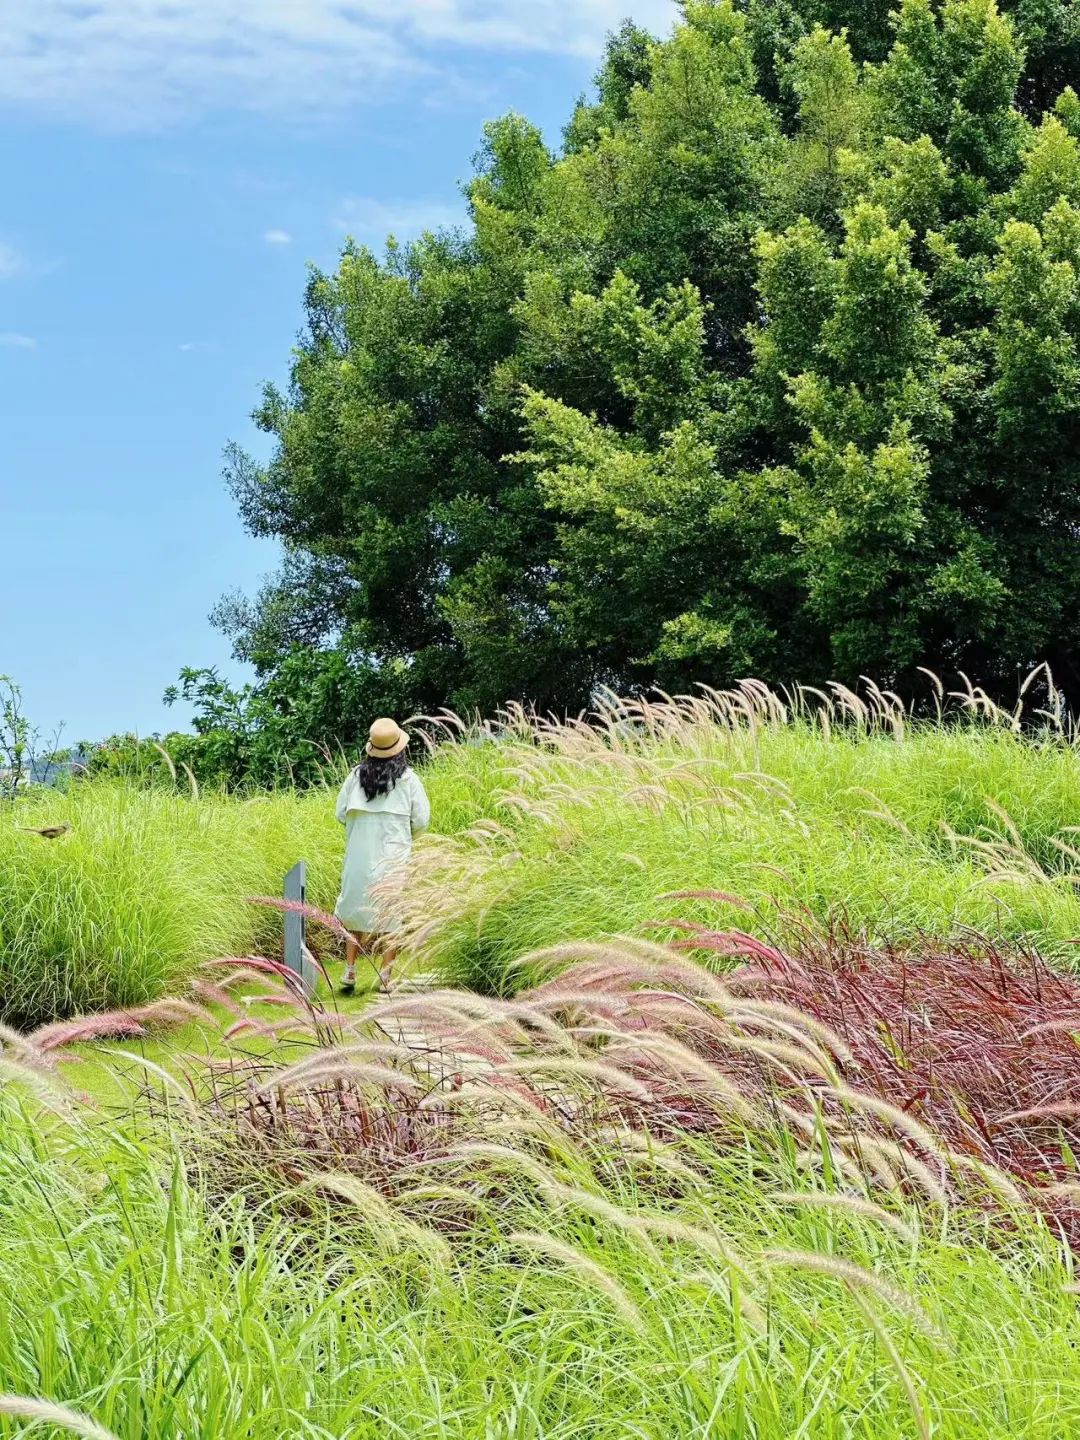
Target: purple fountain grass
{"points": [[932, 1073], [117, 1024], [299, 907]]}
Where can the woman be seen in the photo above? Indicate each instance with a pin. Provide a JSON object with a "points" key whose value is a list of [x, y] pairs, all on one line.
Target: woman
{"points": [[382, 806]]}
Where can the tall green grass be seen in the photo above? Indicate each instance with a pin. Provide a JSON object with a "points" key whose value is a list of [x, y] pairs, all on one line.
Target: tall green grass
{"points": [[152, 881], [934, 829], [146, 885], [151, 1287], [554, 832], [126, 1296]]}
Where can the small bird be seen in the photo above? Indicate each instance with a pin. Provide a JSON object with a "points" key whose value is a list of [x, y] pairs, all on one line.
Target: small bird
{"points": [[47, 832]]}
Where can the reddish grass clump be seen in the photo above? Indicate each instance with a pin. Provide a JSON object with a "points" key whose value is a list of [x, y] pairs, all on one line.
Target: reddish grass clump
{"points": [[940, 1071], [947, 1073], [981, 1047]]}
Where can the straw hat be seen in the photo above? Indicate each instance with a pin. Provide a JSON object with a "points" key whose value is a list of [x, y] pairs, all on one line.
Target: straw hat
{"points": [[387, 739]]}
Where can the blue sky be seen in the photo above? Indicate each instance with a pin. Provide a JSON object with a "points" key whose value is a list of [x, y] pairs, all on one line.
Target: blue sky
{"points": [[167, 168]]}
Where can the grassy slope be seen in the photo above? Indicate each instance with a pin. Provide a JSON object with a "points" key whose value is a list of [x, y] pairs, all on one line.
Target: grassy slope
{"points": [[854, 825], [150, 883], [159, 1320]]}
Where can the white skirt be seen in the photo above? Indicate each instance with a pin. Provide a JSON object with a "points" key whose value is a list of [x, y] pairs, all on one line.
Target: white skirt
{"points": [[377, 843]]}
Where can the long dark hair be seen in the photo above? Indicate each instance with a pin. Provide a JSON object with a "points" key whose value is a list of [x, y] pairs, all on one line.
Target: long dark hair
{"points": [[378, 777]]}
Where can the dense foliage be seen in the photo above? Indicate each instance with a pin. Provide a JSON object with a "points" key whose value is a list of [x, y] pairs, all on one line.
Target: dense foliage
{"points": [[771, 369]]}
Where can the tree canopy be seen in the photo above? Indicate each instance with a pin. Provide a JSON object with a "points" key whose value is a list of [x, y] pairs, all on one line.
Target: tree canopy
{"points": [[772, 368]]}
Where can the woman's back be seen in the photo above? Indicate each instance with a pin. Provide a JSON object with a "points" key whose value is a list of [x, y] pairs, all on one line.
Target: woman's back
{"points": [[398, 800], [379, 830]]}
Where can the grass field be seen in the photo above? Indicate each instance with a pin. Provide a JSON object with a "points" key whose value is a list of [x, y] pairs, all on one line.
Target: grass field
{"points": [[895, 828], [153, 881], [325, 1240], [547, 1281], [557, 833]]}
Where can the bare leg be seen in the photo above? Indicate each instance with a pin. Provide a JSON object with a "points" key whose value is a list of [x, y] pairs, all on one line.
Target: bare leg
{"points": [[389, 955], [357, 943]]}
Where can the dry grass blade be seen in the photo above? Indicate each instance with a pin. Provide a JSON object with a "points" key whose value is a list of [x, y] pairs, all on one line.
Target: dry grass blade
{"points": [[45, 1412], [386, 1224], [918, 1414], [850, 1205], [170, 1083], [48, 1092], [497, 1155], [603, 1076], [889, 1162], [193, 784], [166, 757], [585, 1268], [855, 1275]]}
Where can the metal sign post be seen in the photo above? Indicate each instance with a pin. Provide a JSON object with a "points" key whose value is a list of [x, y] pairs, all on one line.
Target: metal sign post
{"points": [[296, 953]]}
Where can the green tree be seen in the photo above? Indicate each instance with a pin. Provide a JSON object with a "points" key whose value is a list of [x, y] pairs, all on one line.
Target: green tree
{"points": [[771, 368]]}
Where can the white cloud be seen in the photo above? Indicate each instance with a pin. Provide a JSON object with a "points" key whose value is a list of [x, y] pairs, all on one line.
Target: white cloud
{"points": [[566, 26], [134, 62], [372, 220], [10, 340], [192, 346], [10, 261], [278, 237]]}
